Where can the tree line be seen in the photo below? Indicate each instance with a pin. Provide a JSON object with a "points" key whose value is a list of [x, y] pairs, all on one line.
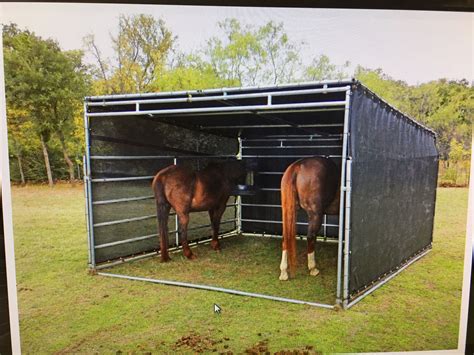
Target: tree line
{"points": [[45, 87]]}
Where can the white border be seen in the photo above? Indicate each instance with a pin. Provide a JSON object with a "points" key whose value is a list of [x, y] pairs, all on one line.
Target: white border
{"points": [[7, 213], [468, 254]]}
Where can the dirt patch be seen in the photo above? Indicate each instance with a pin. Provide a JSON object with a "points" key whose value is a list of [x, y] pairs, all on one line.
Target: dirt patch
{"points": [[262, 348], [259, 348], [198, 343]]}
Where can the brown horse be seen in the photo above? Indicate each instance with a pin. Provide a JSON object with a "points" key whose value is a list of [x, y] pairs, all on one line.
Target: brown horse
{"points": [[188, 191], [313, 183]]}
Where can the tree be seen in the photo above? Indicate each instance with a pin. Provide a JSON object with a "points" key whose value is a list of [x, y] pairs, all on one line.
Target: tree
{"points": [[141, 50], [253, 56], [43, 83], [321, 68]]}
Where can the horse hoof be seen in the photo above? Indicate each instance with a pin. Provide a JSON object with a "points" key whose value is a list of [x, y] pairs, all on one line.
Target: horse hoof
{"points": [[215, 246], [165, 259], [314, 272], [191, 256], [283, 276]]}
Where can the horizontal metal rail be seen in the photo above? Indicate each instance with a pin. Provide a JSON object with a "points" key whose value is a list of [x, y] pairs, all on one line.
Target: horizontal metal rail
{"points": [[275, 126], [174, 249], [130, 178], [119, 200], [259, 205], [136, 239], [222, 109], [126, 220], [145, 157], [279, 136], [280, 222], [218, 289], [308, 139], [269, 172], [223, 97], [345, 81], [141, 218], [292, 147], [269, 189], [301, 237], [289, 156]]}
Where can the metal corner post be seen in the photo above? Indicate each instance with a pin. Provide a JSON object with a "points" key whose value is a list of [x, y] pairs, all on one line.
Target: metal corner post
{"points": [[340, 255], [347, 232], [239, 198], [88, 191]]}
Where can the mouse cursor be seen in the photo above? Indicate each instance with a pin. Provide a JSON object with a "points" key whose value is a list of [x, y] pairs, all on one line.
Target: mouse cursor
{"points": [[217, 309]]}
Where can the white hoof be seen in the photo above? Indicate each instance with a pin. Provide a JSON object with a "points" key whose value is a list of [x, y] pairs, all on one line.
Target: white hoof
{"points": [[314, 272], [283, 276]]}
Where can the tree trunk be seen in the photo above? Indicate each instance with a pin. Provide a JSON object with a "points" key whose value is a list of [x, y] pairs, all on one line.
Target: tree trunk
{"points": [[67, 159], [20, 166], [46, 161]]}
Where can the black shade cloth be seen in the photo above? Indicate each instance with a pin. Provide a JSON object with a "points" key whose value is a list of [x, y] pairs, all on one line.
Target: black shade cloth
{"points": [[394, 176]]}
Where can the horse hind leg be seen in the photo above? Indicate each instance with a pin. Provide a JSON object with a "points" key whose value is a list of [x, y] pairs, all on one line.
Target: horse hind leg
{"points": [[163, 210], [314, 224], [215, 216], [183, 219]]}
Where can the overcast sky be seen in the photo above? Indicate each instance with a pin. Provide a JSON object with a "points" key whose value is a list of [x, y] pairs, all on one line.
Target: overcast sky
{"points": [[414, 46]]}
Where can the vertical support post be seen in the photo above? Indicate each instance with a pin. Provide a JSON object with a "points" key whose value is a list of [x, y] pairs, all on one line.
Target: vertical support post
{"points": [[239, 198], [347, 230], [88, 190], [86, 198], [342, 196], [325, 221], [176, 222]]}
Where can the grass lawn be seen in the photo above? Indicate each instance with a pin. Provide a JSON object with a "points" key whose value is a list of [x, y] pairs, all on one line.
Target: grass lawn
{"points": [[65, 310]]}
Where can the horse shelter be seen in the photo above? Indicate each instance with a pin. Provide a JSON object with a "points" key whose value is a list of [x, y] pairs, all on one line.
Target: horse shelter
{"points": [[388, 164]]}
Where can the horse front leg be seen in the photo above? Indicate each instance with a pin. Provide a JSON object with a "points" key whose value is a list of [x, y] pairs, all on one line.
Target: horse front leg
{"points": [[215, 216], [314, 224], [183, 219]]}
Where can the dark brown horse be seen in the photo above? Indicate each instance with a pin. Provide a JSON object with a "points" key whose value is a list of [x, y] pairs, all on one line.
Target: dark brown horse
{"points": [[188, 191], [313, 184]]}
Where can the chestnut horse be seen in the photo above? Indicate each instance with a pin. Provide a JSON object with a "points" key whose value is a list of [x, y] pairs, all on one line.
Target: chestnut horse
{"points": [[313, 183], [188, 191]]}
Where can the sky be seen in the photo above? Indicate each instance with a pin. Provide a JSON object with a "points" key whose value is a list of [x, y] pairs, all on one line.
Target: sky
{"points": [[414, 46]]}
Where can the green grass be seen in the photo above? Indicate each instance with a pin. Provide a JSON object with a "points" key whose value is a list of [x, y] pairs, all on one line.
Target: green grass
{"points": [[65, 310]]}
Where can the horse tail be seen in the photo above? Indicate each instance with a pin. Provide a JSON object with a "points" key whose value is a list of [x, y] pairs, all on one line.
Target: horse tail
{"points": [[162, 212], [288, 204]]}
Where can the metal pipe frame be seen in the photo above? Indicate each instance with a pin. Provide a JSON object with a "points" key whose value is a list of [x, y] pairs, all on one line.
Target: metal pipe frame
{"points": [[279, 222], [345, 137], [175, 249], [221, 109], [345, 81], [136, 239], [222, 97], [176, 220], [218, 289], [119, 200], [301, 237], [146, 157], [140, 218], [347, 231], [310, 138], [292, 146], [290, 156], [275, 126], [88, 191]]}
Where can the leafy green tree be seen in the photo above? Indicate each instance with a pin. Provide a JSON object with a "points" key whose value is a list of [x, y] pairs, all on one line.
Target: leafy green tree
{"points": [[43, 83], [253, 56], [321, 68], [141, 49]]}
